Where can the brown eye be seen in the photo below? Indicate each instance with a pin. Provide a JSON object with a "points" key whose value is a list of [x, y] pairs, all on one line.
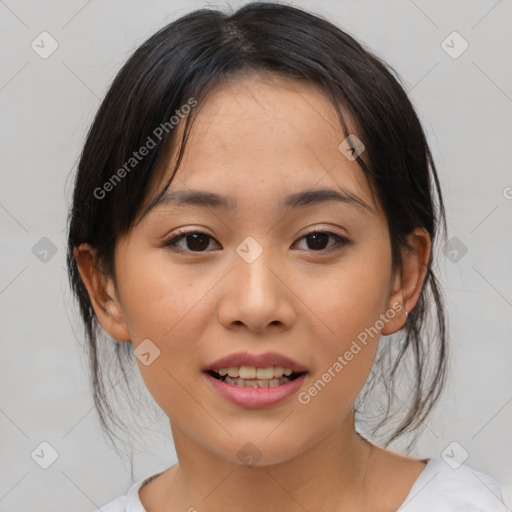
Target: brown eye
{"points": [[195, 241], [319, 241]]}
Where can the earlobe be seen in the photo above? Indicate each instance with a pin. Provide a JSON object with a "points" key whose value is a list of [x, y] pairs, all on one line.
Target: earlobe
{"points": [[407, 286], [101, 293]]}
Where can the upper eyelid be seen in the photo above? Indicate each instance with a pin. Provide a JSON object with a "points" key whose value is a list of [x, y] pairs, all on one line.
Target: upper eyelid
{"points": [[310, 231], [182, 234]]}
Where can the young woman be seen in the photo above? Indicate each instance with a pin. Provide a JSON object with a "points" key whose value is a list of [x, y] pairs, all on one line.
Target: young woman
{"points": [[255, 207]]}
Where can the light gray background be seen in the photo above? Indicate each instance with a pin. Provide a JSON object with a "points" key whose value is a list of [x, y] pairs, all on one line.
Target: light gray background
{"points": [[48, 104]]}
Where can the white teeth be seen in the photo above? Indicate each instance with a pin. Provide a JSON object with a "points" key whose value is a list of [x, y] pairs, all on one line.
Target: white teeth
{"points": [[265, 373], [247, 372], [250, 372], [256, 383], [233, 372]]}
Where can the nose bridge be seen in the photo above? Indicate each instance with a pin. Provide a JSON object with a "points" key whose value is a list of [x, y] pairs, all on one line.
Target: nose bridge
{"points": [[256, 295], [253, 267]]}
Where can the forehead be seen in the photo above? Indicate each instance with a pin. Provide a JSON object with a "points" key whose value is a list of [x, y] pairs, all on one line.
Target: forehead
{"points": [[267, 133]]}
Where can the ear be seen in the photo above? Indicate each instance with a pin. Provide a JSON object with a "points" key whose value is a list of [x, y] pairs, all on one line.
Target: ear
{"points": [[102, 293], [407, 285]]}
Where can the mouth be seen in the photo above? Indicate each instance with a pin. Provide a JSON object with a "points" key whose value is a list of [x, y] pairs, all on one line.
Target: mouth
{"points": [[252, 377], [251, 380]]}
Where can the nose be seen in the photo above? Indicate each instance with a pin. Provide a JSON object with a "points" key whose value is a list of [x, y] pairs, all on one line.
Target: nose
{"points": [[257, 294]]}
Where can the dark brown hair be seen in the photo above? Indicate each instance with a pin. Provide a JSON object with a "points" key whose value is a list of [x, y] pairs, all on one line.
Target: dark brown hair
{"points": [[184, 60]]}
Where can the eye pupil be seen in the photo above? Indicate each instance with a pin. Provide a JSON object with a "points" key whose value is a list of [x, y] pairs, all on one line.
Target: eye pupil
{"points": [[199, 241], [320, 240], [317, 241]]}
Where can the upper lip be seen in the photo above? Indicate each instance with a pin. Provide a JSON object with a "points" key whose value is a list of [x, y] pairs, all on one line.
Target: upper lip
{"points": [[265, 360]]}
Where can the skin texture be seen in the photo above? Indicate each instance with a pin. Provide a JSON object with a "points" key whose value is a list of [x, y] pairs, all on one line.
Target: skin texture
{"points": [[258, 138]]}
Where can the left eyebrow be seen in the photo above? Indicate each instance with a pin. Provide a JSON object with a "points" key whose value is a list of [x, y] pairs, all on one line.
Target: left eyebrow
{"points": [[307, 197], [194, 198], [298, 199]]}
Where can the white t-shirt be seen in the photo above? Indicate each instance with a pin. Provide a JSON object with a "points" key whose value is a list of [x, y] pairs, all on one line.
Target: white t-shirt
{"points": [[439, 488]]}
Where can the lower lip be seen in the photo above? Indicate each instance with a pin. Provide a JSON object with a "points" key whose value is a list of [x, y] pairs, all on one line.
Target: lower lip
{"points": [[254, 398]]}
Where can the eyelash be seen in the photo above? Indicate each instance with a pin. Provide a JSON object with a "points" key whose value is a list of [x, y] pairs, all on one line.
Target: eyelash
{"points": [[340, 241]]}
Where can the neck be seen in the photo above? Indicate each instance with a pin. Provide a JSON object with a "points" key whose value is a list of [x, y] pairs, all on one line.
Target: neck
{"points": [[326, 476]]}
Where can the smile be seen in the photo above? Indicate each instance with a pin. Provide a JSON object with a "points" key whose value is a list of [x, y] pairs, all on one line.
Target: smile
{"points": [[255, 387], [252, 377]]}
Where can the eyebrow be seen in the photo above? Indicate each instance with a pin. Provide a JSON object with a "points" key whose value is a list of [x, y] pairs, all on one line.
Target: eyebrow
{"points": [[298, 199]]}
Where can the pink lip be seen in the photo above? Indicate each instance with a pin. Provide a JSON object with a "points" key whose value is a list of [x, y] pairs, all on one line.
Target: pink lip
{"points": [[254, 398], [265, 360]]}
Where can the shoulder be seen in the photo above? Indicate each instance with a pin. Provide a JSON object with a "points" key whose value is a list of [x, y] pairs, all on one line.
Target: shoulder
{"points": [[117, 505], [130, 502], [444, 489]]}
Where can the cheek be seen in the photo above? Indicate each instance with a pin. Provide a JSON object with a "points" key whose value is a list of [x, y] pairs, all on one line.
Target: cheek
{"points": [[168, 304], [161, 298], [173, 306], [346, 302], [342, 358], [349, 297]]}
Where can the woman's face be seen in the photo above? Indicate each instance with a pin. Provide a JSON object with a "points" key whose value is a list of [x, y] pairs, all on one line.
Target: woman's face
{"points": [[258, 281]]}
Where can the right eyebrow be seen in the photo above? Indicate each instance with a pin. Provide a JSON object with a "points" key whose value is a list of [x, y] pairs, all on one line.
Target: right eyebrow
{"points": [[213, 200], [307, 197], [194, 198]]}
